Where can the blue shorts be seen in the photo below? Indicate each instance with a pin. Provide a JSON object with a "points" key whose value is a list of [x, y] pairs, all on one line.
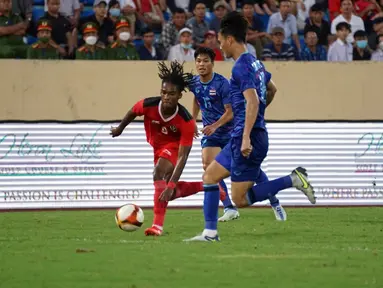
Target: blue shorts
{"points": [[214, 142], [245, 169]]}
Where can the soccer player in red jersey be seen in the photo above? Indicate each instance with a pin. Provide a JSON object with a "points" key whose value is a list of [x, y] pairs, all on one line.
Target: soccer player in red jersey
{"points": [[169, 130]]}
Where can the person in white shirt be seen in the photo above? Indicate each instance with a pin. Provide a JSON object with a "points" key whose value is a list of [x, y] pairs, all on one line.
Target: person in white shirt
{"points": [[183, 51], [347, 15], [341, 49], [378, 54]]}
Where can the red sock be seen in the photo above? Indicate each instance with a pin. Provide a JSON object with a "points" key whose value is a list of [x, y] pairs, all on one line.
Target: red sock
{"points": [[159, 207], [185, 189]]}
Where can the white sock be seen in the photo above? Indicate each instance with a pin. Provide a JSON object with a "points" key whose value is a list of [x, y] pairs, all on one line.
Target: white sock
{"points": [[209, 233]]}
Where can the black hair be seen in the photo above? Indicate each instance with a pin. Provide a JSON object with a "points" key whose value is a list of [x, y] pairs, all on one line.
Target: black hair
{"points": [[341, 1], [205, 51], [179, 11], [199, 2], [235, 25], [360, 34], [175, 75], [343, 25], [113, 3], [146, 30], [248, 2], [310, 30], [280, 1]]}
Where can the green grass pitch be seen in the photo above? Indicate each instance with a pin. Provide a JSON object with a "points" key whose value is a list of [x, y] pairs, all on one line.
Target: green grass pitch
{"points": [[326, 248]]}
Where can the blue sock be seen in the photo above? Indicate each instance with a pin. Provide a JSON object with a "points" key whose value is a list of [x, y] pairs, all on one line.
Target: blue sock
{"points": [[268, 189], [274, 201], [210, 206], [227, 202]]}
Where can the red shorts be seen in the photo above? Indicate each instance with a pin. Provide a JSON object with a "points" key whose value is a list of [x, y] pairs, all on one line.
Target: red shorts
{"points": [[168, 152]]}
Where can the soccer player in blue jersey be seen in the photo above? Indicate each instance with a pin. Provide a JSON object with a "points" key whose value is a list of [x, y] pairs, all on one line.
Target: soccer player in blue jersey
{"points": [[248, 146], [212, 96]]}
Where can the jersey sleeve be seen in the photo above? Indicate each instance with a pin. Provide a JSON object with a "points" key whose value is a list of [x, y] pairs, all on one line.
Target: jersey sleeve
{"points": [[187, 133], [244, 77], [138, 108], [268, 76], [225, 92]]}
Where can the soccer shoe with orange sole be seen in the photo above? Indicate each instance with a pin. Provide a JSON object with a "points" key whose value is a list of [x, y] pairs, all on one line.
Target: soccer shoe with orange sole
{"points": [[153, 231]]}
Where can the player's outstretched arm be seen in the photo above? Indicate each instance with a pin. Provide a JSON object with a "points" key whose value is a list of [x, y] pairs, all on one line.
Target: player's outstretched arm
{"points": [[226, 117], [129, 117], [271, 91]]}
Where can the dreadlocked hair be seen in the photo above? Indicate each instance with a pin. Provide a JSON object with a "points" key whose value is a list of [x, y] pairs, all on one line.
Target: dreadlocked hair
{"points": [[175, 75]]}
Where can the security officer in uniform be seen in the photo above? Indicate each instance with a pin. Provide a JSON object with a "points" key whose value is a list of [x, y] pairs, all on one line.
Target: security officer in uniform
{"points": [[121, 49], [91, 50], [13, 28], [44, 47]]}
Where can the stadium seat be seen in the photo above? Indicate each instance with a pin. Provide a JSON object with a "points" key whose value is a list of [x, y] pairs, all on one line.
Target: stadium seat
{"points": [[264, 19], [138, 42], [167, 16], [87, 3], [37, 13], [86, 12], [209, 16], [31, 40]]}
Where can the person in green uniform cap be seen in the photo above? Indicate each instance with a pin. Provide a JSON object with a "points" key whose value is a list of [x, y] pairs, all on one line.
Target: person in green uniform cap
{"points": [[91, 50], [122, 49], [43, 48], [12, 30]]}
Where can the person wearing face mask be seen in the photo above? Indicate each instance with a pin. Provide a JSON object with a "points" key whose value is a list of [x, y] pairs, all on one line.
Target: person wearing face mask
{"points": [[43, 48], [122, 49], [183, 51], [378, 54], [361, 50], [91, 50], [114, 11]]}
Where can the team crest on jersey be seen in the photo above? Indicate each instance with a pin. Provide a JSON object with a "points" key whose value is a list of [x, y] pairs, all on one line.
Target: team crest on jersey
{"points": [[212, 92], [173, 128], [164, 130]]}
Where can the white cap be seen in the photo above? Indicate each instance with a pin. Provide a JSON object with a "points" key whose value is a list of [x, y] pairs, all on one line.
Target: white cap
{"points": [[186, 29]]}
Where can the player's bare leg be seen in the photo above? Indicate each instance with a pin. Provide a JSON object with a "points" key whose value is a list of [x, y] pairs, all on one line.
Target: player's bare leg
{"points": [[162, 171], [230, 212], [213, 174]]}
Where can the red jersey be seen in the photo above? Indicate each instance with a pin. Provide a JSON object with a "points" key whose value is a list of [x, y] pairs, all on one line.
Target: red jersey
{"points": [[178, 129]]}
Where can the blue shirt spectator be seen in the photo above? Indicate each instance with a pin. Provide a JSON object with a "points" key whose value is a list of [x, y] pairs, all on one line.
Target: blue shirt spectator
{"points": [[312, 51], [149, 51]]}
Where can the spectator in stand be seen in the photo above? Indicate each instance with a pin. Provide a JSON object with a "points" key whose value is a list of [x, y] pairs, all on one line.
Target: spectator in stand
{"points": [[91, 50], [105, 25], [361, 50], [122, 49], [334, 9], [261, 8], [256, 35], [220, 10], [366, 9], [250, 48], [114, 11], [287, 21], [175, 5], [169, 35], [183, 51], [198, 24], [318, 24], [23, 8], [377, 26], [150, 13], [278, 50], [128, 10], [313, 51], [378, 54], [62, 30], [12, 30], [341, 49], [212, 43], [69, 9], [356, 23], [303, 8], [42, 49], [149, 51]]}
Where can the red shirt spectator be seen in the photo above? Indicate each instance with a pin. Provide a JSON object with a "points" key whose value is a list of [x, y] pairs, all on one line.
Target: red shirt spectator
{"points": [[211, 42], [367, 8]]}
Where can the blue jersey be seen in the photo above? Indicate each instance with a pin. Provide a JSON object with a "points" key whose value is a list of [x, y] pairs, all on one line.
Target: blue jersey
{"points": [[248, 73], [211, 97]]}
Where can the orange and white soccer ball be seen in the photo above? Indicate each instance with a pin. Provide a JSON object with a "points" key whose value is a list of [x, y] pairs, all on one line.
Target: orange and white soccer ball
{"points": [[129, 217]]}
